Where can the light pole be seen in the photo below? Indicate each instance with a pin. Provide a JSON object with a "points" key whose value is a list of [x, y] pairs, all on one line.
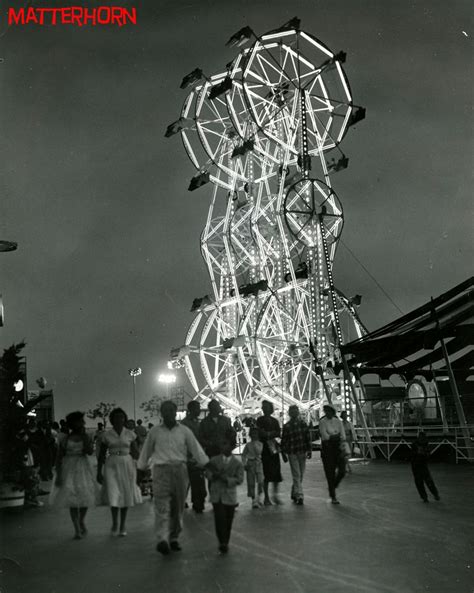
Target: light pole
{"points": [[167, 379], [134, 373]]}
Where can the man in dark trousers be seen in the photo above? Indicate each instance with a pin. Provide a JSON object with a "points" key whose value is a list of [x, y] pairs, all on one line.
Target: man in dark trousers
{"points": [[166, 450], [196, 474], [332, 437], [213, 429], [419, 465], [296, 447]]}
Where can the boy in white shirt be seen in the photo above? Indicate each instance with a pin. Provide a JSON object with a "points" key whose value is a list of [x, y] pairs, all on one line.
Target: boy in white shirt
{"points": [[224, 473]]}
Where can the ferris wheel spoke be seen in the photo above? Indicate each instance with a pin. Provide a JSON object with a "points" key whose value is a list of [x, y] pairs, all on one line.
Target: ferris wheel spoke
{"points": [[218, 108], [308, 376], [280, 63], [266, 69], [306, 211], [205, 128], [271, 65]]}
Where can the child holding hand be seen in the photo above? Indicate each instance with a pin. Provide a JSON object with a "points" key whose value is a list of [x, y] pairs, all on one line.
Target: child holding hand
{"points": [[224, 473], [252, 462]]}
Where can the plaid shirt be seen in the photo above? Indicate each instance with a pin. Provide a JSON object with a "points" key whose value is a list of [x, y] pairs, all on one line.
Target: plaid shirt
{"points": [[295, 437]]}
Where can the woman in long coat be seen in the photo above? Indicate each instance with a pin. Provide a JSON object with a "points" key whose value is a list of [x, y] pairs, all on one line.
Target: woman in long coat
{"points": [[269, 429]]}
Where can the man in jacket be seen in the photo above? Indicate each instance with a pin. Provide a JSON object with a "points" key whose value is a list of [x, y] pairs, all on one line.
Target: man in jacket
{"points": [[296, 448], [213, 429], [195, 473]]}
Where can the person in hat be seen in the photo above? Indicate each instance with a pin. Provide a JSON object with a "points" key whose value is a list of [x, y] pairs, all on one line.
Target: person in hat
{"points": [[332, 449]]}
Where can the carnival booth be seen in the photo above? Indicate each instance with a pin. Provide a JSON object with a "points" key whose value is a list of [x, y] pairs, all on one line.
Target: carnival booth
{"points": [[416, 373]]}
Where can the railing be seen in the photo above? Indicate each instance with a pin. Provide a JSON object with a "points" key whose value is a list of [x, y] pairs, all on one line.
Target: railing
{"points": [[388, 439], [464, 445]]}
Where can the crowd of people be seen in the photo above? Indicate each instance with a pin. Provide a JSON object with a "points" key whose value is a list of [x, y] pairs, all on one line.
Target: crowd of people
{"points": [[37, 443], [198, 456]]}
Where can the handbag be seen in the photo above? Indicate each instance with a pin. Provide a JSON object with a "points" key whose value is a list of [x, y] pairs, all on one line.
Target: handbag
{"points": [[273, 446], [345, 449]]}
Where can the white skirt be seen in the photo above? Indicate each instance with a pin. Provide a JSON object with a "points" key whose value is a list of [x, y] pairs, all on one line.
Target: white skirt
{"points": [[79, 487], [120, 482]]}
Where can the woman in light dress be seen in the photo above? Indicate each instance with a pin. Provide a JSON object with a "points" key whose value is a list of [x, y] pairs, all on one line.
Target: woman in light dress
{"points": [[74, 485], [116, 470]]}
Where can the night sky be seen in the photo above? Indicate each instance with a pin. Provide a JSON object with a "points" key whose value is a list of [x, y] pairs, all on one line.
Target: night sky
{"points": [[108, 261]]}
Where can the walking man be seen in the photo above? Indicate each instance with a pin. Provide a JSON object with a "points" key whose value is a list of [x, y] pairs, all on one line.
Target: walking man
{"points": [[419, 465], [214, 428], [166, 449], [332, 441], [195, 473], [296, 448]]}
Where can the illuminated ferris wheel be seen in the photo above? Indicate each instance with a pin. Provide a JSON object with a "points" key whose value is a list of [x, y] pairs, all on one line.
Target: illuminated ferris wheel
{"points": [[264, 136]]}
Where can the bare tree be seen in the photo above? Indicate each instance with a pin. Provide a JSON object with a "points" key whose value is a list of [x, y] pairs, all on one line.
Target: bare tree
{"points": [[151, 407], [101, 411]]}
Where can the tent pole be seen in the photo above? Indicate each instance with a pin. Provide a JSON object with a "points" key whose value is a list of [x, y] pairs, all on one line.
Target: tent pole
{"points": [[454, 387], [441, 405], [457, 398], [358, 406], [362, 387]]}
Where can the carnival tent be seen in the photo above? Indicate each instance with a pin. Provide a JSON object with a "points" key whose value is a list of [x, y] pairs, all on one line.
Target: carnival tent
{"points": [[413, 344]]}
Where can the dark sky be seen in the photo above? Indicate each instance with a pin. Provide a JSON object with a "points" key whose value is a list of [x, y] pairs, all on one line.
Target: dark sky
{"points": [[108, 260]]}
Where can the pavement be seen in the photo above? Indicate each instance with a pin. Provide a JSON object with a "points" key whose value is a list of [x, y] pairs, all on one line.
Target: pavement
{"points": [[381, 539]]}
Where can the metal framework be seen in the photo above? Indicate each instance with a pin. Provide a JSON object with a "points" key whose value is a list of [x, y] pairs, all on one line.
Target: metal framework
{"points": [[266, 133]]}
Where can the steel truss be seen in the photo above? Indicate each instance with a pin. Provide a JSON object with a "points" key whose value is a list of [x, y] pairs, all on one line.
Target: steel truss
{"points": [[266, 133]]}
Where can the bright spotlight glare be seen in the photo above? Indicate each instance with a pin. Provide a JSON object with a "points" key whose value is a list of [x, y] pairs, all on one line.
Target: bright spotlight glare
{"points": [[167, 378]]}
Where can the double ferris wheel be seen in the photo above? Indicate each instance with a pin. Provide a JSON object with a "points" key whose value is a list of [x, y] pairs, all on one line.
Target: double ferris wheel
{"points": [[264, 136]]}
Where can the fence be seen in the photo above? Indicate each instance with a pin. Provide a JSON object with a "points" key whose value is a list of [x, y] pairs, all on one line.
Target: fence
{"points": [[387, 441]]}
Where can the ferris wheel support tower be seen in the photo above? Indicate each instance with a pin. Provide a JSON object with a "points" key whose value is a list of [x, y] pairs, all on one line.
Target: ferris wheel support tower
{"points": [[265, 134]]}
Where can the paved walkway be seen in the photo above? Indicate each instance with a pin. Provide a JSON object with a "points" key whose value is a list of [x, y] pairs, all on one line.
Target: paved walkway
{"points": [[381, 539]]}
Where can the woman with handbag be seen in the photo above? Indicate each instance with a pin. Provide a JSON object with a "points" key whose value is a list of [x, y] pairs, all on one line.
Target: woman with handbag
{"points": [[269, 429]]}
